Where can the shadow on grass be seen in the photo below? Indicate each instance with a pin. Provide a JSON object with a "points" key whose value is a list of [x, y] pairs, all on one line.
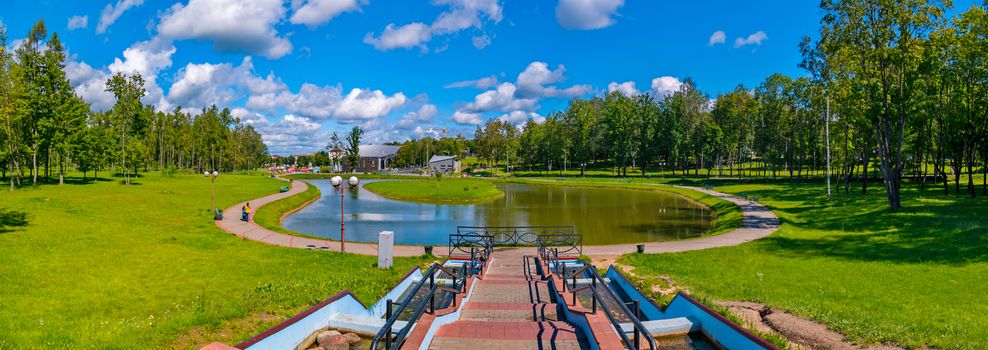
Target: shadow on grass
{"points": [[11, 219], [930, 228]]}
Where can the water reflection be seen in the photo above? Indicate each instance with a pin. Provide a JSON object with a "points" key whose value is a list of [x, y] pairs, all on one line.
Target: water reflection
{"points": [[603, 216]]}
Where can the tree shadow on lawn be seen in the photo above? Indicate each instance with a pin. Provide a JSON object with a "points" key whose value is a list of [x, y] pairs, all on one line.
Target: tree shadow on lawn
{"points": [[928, 229], [10, 219]]}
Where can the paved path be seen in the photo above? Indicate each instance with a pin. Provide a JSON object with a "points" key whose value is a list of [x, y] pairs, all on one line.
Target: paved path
{"points": [[231, 223], [509, 310], [759, 222]]}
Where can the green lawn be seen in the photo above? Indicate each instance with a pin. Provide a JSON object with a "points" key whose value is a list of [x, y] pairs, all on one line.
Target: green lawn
{"points": [[143, 266], [915, 277], [450, 190]]}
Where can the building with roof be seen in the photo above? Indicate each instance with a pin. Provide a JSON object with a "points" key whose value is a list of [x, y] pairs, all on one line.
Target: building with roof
{"points": [[374, 158], [444, 164]]}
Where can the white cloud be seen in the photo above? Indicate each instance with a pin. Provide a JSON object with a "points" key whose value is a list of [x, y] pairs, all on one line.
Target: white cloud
{"points": [[367, 104], [753, 39], [467, 118], [627, 88], [112, 12], [292, 134], [460, 15], [717, 37], [500, 99], [317, 12], [78, 22], [537, 78], [482, 83], [311, 100], [89, 84], [232, 25], [147, 58], [520, 117], [587, 14], [481, 41], [665, 86], [423, 115], [406, 36]]}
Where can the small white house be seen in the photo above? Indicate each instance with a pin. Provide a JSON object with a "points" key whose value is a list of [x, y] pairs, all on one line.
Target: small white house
{"points": [[444, 164]]}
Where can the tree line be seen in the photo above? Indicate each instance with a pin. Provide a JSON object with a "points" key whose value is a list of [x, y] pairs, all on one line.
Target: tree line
{"points": [[899, 87], [47, 130]]}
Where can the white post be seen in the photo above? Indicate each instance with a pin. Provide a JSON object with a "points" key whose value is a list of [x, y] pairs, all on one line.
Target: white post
{"points": [[385, 249], [827, 126]]}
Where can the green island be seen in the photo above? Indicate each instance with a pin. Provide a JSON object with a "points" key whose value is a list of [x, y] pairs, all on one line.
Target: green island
{"points": [[453, 190], [270, 215], [107, 265]]}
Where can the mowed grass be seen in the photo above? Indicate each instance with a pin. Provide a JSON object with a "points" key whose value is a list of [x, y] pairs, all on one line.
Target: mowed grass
{"points": [[917, 277], [106, 265], [451, 190]]}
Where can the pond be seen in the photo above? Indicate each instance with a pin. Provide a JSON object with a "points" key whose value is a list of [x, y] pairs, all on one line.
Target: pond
{"points": [[603, 216]]}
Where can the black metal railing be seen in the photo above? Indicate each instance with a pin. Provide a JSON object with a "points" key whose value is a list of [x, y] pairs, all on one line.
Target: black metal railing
{"points": [[515, 235], [551, 246], [392, 340], [633, 314]]}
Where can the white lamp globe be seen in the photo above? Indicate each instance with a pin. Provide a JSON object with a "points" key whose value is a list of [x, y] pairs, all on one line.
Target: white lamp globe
{"points": [[336, 181], [216, 173], [206, 174], [353, 181]]}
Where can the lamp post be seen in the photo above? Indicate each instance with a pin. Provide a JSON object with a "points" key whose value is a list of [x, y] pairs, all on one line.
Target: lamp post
{"points": [[337, 182], [212, 186]]}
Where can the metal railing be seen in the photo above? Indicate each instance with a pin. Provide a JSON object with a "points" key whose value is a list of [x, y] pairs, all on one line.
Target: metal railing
{"points": [[515, 235], [588, 270], [568, 244], [393, 341]]}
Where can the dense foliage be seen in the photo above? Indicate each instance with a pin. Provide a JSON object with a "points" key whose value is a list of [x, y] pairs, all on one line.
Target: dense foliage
{"points": [[46, 129]]}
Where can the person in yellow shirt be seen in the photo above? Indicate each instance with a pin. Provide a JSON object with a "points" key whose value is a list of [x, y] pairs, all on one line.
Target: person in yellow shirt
{"points": [[246, 212]]}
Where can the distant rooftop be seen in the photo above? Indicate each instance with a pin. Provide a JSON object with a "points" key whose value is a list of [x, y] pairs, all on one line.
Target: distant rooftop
{"points": [[378, 151], [440, 158]]}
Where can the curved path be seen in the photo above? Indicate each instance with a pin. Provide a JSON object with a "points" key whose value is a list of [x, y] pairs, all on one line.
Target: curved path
{"points": [[249, 230], [758, 222]]}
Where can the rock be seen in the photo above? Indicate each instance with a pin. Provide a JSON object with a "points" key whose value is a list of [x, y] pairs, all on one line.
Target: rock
{"points": [[326, 337], [338, 343], [352, 338]]}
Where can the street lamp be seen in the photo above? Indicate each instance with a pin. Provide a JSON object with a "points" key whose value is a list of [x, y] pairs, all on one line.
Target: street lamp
{"points": [[337, 182], [214, 174]]}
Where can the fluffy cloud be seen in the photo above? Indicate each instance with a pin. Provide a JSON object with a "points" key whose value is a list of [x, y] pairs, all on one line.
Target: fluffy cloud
{"points": [[665, 86], [627, 88], [501, 99], [423, 115], [89, 84], [367, 104], [537, 78], [482, 83], [406, 36], [112, 12], [317, 12], [587, 14], [753, 39], [292, 134], [78, 22], [520, 117], [147, 58], [311, 100], [232, 25], [460, 15], [467, 118], [717, 37]]}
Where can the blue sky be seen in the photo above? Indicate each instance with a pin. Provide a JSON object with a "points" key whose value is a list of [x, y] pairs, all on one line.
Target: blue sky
{"points": [[301, 69]]}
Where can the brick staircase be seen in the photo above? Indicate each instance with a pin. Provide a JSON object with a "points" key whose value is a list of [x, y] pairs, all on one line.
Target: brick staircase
{"points": [[509, 310]]}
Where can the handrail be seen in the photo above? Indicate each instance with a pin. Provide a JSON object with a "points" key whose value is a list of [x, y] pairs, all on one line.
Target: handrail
{"points": [[640, 328], [515, 235], [387, 329]]}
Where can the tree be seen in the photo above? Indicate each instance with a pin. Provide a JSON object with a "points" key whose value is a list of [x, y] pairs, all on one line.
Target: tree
{"points": [[353, 146], [126, 111]]}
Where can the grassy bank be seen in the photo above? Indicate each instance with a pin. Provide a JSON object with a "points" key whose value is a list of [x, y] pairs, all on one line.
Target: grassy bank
{"points": [[728, 215], [914, 277], [105, 265], [451, 190], [269, 216]]}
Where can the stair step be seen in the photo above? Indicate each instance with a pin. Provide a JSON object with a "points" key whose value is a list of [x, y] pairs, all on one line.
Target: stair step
{"points": [[509, 330], [509, 312]]}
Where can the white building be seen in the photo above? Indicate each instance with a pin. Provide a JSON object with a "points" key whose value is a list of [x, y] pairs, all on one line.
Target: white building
{"points": [[444, 164]]}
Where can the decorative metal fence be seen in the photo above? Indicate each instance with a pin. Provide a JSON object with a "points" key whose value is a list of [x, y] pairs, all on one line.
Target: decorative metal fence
{"points": [[515, 235]]}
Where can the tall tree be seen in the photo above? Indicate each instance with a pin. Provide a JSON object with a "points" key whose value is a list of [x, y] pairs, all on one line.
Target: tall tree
{"points": [[353, 146], [126, 111]]}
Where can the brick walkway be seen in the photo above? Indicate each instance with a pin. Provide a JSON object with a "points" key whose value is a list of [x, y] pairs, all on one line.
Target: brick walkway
{"points": [[249, 230], [508, 310]]}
